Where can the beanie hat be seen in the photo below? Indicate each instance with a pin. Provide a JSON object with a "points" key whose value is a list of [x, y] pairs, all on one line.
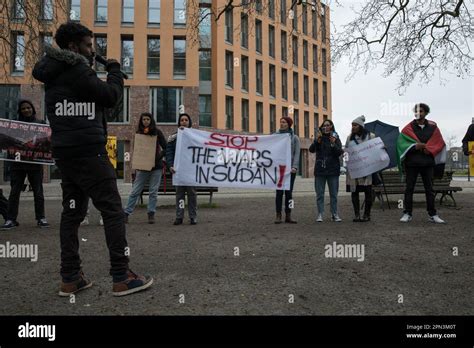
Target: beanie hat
{"points": [[360, 121], [288, 120]]}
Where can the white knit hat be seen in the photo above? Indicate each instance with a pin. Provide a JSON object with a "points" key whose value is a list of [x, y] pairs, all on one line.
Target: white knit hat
{"points": [[360, 121]]}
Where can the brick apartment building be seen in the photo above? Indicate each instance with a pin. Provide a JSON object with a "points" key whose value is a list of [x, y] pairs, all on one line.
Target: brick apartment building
{"points": [[240, 74]]}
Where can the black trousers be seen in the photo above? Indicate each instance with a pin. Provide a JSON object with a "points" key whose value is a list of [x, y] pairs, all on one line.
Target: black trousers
{"points": [[288, 196], [368, 200], [35, 177], [427, 177], [92, 177]]}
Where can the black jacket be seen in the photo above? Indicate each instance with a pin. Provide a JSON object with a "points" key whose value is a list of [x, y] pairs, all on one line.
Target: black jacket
{"points": [[417, 158], [69, 79], [467, 138], [171, 147], [327, 156]]}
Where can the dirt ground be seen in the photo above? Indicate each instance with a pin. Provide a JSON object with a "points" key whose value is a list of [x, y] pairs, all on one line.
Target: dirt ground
{"points": [[280, 270]]}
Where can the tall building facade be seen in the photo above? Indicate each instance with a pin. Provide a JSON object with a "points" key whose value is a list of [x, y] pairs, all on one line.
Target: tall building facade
{"points": [[260, 61]]}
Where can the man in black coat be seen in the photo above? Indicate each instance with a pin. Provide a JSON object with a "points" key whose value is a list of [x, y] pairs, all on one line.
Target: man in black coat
{"points": [[18, 173], [75, 103]]}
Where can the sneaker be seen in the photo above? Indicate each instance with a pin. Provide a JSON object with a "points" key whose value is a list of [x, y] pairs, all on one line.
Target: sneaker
{"points": [[9, 224], [320, 218], [85, 222], [436, 219], [178, 221], [101, 221], [193, 221], [406, 218], [133, 283], [42, 223], [336, 218], [70, 288]]}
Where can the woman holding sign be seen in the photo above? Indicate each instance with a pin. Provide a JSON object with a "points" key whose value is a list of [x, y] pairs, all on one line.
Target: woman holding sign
{"points": [[285, 128], [147, 126], [359, 135]]}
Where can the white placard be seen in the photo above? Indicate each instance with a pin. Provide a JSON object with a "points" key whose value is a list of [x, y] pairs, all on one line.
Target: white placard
{"points": [[366, 158]]}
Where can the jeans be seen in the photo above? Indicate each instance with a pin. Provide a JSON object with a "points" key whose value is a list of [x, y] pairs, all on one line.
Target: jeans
{"points": [[35, 177], [92, 177], [320, 185], [427, 177], [192, 201], [288, 196], [142, 176]]}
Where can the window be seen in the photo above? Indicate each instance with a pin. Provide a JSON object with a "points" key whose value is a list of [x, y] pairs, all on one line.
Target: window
{"points": [[101, 50], [205, 66], [304, 19], [315, 58], [154, 11], [271, 41], [180, 13], [325, 117], [229, 69], [295, 18], [205, 28], [325, 94], [258, 36], [45, 40], [259, 117], [229, 112], [121, 112], [316, 92], [323, 23], [284, 111], [154, 49], [283, 12], [9, 95], [306, 124], [324, 62], [179, 57], [259, 73], [314, 24], [284, 84], [47, 10], [295, 50], [316, 121], [244, 71], [271, 9], [205, 110], [296, 121], [18, 53], [245, 115], [258, 6], [305, 54], [75, 10], [284, 46], [18, 10], [272, 118], [101, 11], [295, 87], [229, 25], [127, 11], [165, 104], [127, 54], [272, 82], [244, 30], [306, 90]]}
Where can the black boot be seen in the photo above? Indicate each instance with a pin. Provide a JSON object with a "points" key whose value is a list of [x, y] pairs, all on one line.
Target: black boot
{"points": [[278, 218], [355, 205]]}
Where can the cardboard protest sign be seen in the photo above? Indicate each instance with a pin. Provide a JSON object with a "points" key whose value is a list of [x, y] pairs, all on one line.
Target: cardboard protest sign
{"points": [[470, 147], [367, 158], [112, 149], [231, 160], [144, 149], [25, 142]]}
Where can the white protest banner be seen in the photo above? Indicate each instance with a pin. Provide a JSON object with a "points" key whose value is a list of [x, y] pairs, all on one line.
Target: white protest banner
{"points": [[367, 158], [232, 160]]}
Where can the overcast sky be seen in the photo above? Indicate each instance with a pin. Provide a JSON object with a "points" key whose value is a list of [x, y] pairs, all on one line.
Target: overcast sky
{"points": [[378, 98]]}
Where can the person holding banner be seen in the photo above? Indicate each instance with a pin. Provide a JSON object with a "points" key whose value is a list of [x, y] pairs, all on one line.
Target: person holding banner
{"points": [[285, 128], [147, 126], [420, 147], [359, 135], [327, 168], [183, 122], [19, 171]]}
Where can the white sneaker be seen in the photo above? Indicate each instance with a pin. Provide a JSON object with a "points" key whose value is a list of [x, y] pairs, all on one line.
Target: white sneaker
{"points": [[320, 218], [101, 221], [85, 222], [437, 220], [406, 218], [336, 218]]}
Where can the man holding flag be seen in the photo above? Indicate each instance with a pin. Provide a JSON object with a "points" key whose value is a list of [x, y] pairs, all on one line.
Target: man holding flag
{"points": [[420, 147]]}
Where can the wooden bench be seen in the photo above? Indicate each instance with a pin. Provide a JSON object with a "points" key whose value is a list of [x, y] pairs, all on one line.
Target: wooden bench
{"points": [[393, 185], [167, 188]]}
